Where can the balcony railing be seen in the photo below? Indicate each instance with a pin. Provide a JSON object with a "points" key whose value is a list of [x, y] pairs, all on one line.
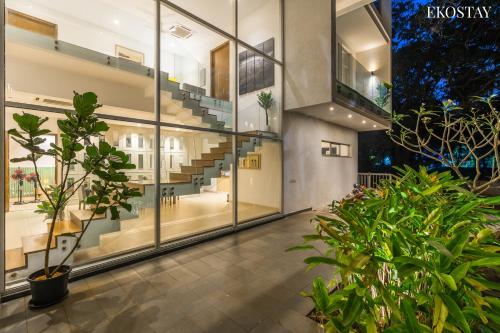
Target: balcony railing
{"points": [[355, 99], [372, 180]]}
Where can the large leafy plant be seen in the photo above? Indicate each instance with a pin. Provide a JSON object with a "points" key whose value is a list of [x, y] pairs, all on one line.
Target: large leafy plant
{"points": [[103, 163], [415, 255]]}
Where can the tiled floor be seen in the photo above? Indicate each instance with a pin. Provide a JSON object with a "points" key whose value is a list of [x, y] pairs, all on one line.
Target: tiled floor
{"points": [[239, 283]]}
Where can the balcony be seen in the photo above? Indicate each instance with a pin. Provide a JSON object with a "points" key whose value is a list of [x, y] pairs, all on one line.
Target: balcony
{"points": [[363, 63]]}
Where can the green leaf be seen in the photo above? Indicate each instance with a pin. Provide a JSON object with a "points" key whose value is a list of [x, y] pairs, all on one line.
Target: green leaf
{"points": [[104, 148], [439, 315], [492, 261], [100, 126], [323, 260], [456, 313], [459, 272], [410, 318], [441, 248], [320, 295], [300, 247], [351, 310], [115, 215], [448, 280]]}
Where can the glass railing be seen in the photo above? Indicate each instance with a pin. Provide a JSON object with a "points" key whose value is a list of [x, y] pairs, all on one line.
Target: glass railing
{"points": [[353, 75]]}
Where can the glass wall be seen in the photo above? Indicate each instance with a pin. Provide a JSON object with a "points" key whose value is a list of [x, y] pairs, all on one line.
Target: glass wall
{"points": [[196, 182], [363, 55], [258, 76], [266, 15], [207, 80], [198, 73], [259, 177]]}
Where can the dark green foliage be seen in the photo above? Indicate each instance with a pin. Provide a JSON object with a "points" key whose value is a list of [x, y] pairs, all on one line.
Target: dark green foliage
{"points": [[413, 256]]}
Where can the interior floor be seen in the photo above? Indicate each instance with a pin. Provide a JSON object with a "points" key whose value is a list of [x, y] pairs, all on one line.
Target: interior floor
{"points": [[190, 215]]}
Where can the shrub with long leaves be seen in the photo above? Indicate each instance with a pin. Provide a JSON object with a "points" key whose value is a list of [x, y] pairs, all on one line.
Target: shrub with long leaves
{"points": [[418, 254]]}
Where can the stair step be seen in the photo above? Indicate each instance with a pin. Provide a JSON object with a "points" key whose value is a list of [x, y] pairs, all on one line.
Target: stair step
{"points": [[84, 215], [178, 176], [14, 259], [213, 156], [191, 169], [202, 163], [36, 243], [227, 144], [65, 227], [220, 150]]}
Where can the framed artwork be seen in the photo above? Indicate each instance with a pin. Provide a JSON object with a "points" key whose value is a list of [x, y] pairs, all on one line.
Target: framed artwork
{"points": [[251, 161], [129, 54], [255, 71]]}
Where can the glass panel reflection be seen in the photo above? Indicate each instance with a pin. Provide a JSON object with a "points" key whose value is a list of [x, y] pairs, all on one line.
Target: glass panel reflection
{"points": [[196, 182], [259, 178]]}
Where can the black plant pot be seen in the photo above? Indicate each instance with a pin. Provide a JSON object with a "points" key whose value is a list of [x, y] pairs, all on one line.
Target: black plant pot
{"points": [[48, 292]]}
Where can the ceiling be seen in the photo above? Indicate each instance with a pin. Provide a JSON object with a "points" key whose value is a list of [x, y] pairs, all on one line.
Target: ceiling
{"points": [[345, 6], [342, 116], [359, 32]]}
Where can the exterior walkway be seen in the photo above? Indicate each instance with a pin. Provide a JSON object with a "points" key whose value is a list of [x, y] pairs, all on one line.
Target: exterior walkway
{"points": [[243, 282]]}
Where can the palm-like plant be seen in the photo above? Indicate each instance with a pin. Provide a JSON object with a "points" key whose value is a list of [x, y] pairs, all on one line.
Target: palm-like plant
{"points": [[411, 256], [266, 101]]}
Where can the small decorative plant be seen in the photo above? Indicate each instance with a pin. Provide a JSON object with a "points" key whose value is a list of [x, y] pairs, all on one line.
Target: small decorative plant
{"points": [[266, 101], [416, 255], [32, 179], [18, 175], [102, 163], [384, 90]]}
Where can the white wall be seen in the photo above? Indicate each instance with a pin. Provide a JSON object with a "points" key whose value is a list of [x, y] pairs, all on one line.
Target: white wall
{"points": [[313, 180], [262, 186], [308, 51]]}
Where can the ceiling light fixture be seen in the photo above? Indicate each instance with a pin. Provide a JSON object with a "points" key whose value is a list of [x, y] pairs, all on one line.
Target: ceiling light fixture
{"points": [[349, 116], [363, 122], [180, 31], [374, 126], [331, 108], [116, 22]]}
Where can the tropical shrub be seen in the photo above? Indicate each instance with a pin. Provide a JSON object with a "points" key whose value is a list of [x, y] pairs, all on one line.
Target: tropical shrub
{"points": [[415, 255]]}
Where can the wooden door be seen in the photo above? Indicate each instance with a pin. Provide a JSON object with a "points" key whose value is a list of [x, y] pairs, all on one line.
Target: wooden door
{"points": [[219, 77]]}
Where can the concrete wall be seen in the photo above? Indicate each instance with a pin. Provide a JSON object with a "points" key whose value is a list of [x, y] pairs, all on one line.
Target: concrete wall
{"points": [[313, 180], [308, 55]]}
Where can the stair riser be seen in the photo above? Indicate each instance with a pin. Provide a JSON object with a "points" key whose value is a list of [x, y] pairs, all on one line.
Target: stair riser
{"points": [[181, 177], [202, 163], [191, 169]]}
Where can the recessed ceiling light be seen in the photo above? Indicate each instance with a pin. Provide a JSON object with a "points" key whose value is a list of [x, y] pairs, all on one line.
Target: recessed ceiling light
{"points": [[363, 122], [374, 126], [349, 116], [331, 108], [116, 22]]}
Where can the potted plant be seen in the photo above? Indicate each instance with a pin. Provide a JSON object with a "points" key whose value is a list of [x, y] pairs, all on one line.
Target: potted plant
{"points": [[31, 179], [19, 175], [266, 101], [102, 163], [384, 94]]}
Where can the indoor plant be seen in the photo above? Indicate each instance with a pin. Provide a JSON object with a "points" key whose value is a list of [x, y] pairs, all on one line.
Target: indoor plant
{"points": [[410, 256], [105, 164], [266, 101]]}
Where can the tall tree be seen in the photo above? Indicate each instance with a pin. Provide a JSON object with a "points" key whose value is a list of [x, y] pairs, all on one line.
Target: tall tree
{"points": [[434, 60]]}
